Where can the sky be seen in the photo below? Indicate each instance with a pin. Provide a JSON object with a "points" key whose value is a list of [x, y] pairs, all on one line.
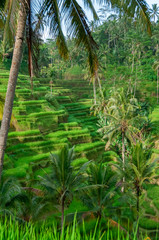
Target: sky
{"points": [[96, 6], [89, 15]]}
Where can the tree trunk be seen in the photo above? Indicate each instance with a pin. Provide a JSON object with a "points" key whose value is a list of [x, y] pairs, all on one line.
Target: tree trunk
{"points": [[17, 55], [94, 90], [138, 209], [29, 42], [123, 157], [135, 82], [100, 87], [157, 82], [62, 210]]}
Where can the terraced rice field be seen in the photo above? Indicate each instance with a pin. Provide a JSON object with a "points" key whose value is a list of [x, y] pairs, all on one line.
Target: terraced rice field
{"points": [[42, 126]]}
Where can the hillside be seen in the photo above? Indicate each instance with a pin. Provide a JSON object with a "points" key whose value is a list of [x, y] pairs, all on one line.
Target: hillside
{"points": [[44, 121], [42, 126]]}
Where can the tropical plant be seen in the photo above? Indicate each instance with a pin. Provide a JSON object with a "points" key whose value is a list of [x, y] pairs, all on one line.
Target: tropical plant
{"points": [[63, 180], [154, 11], [119, 121], [77, 21], [51, 9], [156, 68], [100, 189], [9, 189], [139, 169]]}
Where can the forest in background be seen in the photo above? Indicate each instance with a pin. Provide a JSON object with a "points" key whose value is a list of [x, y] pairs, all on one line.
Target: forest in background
{"points": [[122, 127]]}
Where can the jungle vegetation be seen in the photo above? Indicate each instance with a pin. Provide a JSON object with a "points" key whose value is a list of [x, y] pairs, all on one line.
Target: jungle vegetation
{"points": [[81, 153]]}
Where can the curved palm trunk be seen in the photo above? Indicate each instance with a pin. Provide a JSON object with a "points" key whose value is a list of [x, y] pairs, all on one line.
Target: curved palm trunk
{"points": [[123, 157], [17, 55], [29, 43]]}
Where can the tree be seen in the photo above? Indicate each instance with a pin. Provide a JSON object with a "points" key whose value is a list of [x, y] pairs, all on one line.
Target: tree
{"points": [[17, 54], [100, 189], [154, 11], [156, 68], [139, 169], [9, 189], [63, 180], [80, 29], [120, 121]]}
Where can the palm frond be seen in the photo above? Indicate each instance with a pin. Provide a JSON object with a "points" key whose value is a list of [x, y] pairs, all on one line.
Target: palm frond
{"points": [[133, 8], [11, 12], [50, 8], [89, 5], [76, 21]]}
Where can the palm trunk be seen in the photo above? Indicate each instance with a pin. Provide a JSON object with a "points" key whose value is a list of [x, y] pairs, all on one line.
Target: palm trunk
{"points": [[17, 55], [123, 157], [135, 82], [62, 210], [99, 83], [138, 209], [157, 82], [29, 41], [94, 90]]}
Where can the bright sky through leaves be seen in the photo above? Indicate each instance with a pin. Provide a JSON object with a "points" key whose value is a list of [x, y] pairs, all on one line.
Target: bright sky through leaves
{"points": [[89, 15]]}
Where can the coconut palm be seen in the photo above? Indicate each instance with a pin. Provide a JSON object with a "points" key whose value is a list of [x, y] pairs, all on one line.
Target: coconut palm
{"points": [[100, 189], [156, 68], [77, 20], [63, 180], [30, 204], [154, 11], [120, 121], [78, 27], [139, 169], [8, 190]]}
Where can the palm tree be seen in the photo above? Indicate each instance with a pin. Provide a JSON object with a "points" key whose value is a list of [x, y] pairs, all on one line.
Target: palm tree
{"points": [[120, 121], [78, 27], [17, 54], [140, 169], [63, 180], [100, 189], [30, 204], [154, 11], [156, 68], [80, 30], [9, 189]]}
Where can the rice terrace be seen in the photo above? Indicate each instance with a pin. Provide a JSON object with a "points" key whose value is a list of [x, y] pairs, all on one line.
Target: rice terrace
{"points": [[79, 116]]}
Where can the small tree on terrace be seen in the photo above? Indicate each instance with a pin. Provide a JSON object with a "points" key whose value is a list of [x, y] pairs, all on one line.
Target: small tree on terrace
{"points": [[139, 169], [120, 121], [63, 180]]}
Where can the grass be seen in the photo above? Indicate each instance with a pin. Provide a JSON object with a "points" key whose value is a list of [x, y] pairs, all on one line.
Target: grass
{"points": [[88, 146], [18, 172], [43, 114], [69, 126], [148, 224], [153, 192], [29, 159], [31, 102], [156, 203], [13, 230], [79, 161], [148, 209], [61, 134], [36, 144], [23, 133]]}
